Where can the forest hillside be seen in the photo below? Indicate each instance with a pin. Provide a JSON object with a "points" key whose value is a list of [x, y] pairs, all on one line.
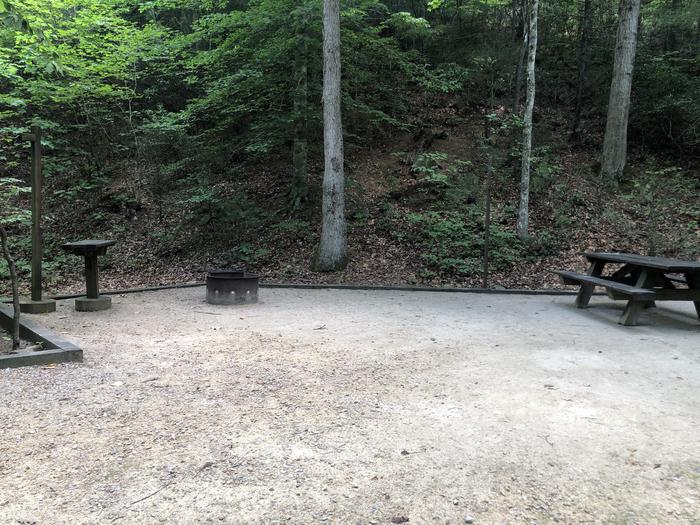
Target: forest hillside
{"points": [[192, 134]]}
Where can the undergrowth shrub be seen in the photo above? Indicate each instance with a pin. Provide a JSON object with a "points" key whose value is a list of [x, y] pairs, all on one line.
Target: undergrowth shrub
{"points": [[451, 242], [666, 197]]}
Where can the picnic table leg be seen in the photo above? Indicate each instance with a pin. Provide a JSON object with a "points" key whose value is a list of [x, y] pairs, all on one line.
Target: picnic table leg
{"points": [[630, 315], [693, 280], [586, 291], [656, 279], [651, 280]]}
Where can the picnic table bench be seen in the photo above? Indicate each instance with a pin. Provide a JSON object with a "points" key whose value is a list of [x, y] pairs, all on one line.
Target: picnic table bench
{"points": [[641, 280]]}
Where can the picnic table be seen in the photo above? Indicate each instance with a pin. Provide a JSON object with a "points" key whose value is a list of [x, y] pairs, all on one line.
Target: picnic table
{"points": [[641, 280]]}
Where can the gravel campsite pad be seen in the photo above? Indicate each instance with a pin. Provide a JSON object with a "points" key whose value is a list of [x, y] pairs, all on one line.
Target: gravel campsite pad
{"points": [[336, 406]]}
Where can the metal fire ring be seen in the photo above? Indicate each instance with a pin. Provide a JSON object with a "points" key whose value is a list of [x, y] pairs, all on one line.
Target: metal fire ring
{"points": [[232, 287]]}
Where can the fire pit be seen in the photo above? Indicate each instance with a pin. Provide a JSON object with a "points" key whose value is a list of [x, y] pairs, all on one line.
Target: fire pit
{"points": [[231, 287]]}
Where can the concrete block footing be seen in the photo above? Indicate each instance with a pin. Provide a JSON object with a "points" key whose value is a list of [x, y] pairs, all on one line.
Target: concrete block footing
{"points": [[45, 306], [88, 304]]}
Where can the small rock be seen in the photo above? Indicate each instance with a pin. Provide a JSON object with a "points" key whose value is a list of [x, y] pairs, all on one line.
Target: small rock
{"points": [[400, 519], [468, 519]]}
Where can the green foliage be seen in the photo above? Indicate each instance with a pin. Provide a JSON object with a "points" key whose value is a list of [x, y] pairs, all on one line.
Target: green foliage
{"points": [[294, 226], [429, 166], [238, 68], [667, 101], [11, 212], [441, 178], [545, 169], [667, 194], [449, 229], [443, 79], [409, 28], [245, 254], [208, 205], [13, 217], [545, 242], [82, 186], [452, 242]]}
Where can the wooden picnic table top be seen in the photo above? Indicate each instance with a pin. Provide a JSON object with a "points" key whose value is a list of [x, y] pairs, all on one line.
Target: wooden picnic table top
{"points": [[645, 261]]}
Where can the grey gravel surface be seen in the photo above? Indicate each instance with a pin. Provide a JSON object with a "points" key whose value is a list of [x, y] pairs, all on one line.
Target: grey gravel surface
{"points": [[334, 406]]}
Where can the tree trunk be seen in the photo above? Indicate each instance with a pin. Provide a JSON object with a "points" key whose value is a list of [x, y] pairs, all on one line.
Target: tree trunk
{"points": [[487, 200], [300, 184], [519, 74], [671, 37], [15, 289], [584, 36], [332, 250], [521, 61], [615, 144], [523, 215]]}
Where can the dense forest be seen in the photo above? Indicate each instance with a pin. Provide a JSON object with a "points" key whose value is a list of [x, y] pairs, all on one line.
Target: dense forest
{"points": [[191, 132]]}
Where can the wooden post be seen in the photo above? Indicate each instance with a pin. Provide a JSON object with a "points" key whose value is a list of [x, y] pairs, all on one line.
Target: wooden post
{"points": [[91, 276], [35, 138], [37, 248], [37, 304]]}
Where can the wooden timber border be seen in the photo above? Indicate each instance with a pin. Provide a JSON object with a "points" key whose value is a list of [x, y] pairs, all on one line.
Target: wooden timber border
{"points": [[56, 348], [369, 287]]}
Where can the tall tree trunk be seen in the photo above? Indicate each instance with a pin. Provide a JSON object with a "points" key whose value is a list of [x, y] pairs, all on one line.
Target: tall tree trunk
{"points": [[615, 144], [15, 288], [333, 249], [300, 184], [521, 59], [519, 74], [671, 37], [523, 215], [583, 55], [487, 144]]}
